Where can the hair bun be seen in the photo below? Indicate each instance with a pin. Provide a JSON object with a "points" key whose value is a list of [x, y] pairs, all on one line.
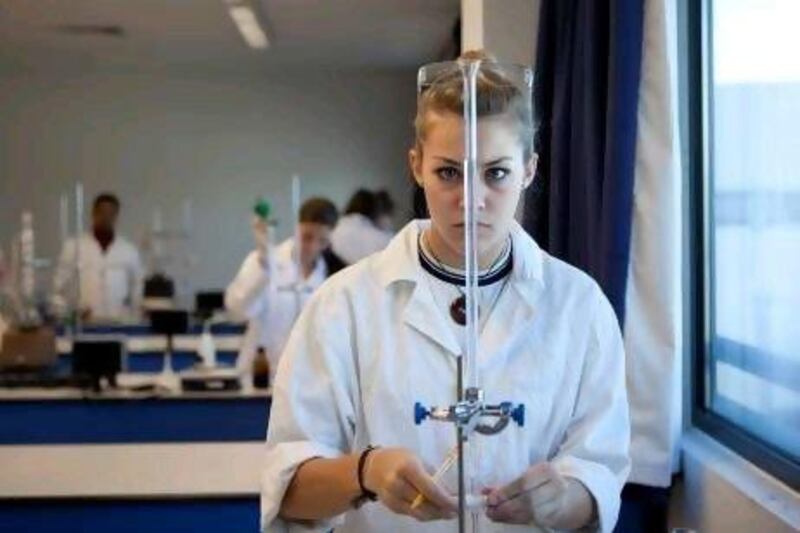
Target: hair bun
{"points": [[479, 55]]}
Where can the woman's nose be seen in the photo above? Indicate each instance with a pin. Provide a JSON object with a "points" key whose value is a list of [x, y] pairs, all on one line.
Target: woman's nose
{"points": [[481, 191]]}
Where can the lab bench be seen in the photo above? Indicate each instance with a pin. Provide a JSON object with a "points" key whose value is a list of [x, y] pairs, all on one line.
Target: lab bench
{"points": [[133, 460]]}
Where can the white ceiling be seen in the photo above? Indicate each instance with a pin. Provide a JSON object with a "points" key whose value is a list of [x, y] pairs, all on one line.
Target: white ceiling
{"points": [[199, 35]]}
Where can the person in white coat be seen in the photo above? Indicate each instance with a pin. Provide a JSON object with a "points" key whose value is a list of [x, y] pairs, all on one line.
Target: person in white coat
{"points": [[386, 332], [110, 269], [365, 226], [269, 291]]}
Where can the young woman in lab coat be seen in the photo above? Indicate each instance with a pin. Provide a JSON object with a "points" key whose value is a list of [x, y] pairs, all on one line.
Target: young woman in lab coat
{"points": [[385, 333], [269, 291], [365, 226]]}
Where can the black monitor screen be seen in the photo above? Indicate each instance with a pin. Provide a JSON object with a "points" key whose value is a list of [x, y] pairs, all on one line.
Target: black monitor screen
{"points": [[207, 302], [97, 358], [169, 322]]}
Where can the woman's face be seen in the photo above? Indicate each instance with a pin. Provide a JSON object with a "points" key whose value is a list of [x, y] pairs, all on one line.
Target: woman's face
{"points": [[504, 175], [314, 239]]}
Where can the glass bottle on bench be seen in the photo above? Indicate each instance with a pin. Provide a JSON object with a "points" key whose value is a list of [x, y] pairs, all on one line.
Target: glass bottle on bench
{"points": [[261, 369]]}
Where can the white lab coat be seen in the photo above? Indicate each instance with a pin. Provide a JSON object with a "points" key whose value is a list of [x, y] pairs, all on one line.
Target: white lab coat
{"points": [[372, 341], [111, 281], [270, 299], [355, 237]]}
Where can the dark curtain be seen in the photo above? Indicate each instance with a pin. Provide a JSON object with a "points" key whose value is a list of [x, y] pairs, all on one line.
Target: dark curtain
{"points": [[586, 95], [586, 92]]}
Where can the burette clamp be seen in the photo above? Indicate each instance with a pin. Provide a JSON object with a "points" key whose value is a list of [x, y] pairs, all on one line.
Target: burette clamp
{"points": [[473, 414]]}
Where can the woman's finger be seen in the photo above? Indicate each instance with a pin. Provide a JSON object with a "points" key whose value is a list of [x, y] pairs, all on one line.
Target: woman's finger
{"points": [[429, 489], [535, 476], [513, 511]]}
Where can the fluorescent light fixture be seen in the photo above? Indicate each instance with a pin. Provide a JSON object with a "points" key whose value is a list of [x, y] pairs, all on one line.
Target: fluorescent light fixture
{"points": [[247, 23]]}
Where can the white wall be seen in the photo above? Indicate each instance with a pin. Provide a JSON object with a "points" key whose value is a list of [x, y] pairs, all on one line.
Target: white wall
{"points": [[157, 138], [507, 29], [510, 30]]}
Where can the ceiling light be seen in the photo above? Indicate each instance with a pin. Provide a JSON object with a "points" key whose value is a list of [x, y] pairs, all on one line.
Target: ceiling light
{"points": [[246, 21]]}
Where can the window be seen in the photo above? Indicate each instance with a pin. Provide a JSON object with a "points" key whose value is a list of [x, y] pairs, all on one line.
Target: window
{"points": [[744, 119]]}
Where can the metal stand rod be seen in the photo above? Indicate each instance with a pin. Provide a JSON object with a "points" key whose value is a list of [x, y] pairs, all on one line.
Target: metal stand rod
{"points": [[78, 236], [461, 437], [297, 261], [468, 369], [462, 482], [470, 413], [168, 369]]}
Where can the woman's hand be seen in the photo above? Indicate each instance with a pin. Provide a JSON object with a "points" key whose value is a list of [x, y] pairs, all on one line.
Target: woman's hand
{"points": [[397, 476], [544, 497], [261, 237]]}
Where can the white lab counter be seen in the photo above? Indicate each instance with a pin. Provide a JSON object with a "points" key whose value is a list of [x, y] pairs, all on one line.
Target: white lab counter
{"points": [[131, 470]]}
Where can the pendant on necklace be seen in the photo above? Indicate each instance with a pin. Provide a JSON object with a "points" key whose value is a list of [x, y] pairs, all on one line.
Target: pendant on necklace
{"points": [[458, 310]]}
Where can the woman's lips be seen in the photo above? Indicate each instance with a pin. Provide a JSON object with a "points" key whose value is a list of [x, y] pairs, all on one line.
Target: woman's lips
{"points": [[485, 225]]}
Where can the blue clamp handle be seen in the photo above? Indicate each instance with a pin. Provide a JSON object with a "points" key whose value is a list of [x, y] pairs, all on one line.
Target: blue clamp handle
{"points": [[420, 413], [518, 415]]}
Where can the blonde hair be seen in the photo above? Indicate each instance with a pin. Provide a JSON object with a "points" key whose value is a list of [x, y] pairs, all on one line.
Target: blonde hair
{"points": [[496, 95]]}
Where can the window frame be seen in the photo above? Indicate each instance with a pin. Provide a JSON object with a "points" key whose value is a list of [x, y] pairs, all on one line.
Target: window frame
{"points": [[697, 115]]}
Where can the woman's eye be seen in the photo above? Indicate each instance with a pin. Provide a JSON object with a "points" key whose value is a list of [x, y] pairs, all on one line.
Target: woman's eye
{"points": [[448, 173], [496, 174]]}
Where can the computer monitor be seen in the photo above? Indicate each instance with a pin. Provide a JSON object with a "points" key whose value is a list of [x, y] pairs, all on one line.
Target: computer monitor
{"points": [[94, 359], [169, 322], [208, 302], [159, 286]]}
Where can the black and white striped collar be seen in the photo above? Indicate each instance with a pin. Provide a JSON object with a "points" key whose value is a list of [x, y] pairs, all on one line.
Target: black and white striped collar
{"points": [[493, 275]]}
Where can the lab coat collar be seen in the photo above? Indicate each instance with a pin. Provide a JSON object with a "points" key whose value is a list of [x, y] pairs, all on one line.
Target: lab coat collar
{"points": [[286, 253], [88, 239], [399, 264], [399, 261]]}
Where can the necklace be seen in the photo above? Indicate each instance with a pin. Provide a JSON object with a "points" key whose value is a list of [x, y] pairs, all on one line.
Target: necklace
{"points": [[458, 307]]}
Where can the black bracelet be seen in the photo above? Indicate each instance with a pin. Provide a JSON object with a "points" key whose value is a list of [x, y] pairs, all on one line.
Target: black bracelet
{"points": [[365, 492]]}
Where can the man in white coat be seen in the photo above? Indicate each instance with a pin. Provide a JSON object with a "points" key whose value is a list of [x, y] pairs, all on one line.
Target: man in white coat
{"points": [[273, 283], [109, 268]]}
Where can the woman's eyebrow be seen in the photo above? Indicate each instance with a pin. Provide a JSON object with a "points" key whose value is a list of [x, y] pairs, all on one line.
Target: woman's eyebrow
{"points": [[454, 162], [498, 160]]}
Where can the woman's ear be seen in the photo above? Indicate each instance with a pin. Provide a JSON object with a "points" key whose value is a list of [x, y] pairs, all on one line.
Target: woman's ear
{"points": [[415, 164], [530, 170]]}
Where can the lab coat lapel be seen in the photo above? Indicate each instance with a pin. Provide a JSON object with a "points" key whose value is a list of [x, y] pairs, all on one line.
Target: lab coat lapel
{"points": [[514, 312], [422, 314], [398, 265]]}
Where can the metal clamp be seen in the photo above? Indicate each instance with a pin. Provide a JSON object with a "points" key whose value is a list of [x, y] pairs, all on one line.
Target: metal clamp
{"points": [[470, 413]]}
